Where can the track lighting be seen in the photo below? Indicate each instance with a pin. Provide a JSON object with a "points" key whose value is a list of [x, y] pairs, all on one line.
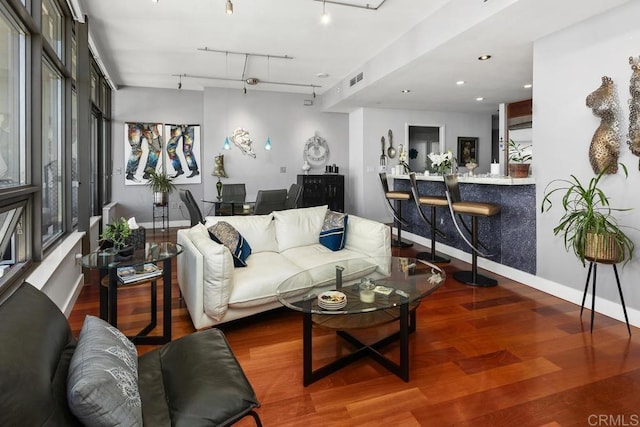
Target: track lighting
{"points": [[180, 82], [325, 18], [229, 7]]}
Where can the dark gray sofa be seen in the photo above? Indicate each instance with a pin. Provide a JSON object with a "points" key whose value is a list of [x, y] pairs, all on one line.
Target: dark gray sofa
{"points": [[193, 381]]}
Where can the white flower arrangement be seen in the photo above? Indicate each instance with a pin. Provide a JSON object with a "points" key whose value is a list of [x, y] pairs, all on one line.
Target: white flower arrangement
{"points": [[441, 162]]}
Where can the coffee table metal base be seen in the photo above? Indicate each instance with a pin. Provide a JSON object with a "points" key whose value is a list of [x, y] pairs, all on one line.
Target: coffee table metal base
{"points": [[407, 319]]}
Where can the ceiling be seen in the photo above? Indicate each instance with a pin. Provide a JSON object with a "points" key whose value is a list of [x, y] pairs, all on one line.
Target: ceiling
{"points": [[421, 45]]}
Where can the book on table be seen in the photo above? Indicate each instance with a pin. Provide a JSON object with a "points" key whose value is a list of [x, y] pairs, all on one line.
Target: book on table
{"points": [[130, 273]]}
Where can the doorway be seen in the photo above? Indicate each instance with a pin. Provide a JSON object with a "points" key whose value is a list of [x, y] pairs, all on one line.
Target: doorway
{"points": [[422, 140]]}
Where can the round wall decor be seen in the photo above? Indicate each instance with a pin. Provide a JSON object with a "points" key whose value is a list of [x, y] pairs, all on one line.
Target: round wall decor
{"points": [[316, 151]]}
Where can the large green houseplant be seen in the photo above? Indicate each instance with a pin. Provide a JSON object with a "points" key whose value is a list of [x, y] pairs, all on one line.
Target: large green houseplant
{"points": [[162, 186], [588, 225]]}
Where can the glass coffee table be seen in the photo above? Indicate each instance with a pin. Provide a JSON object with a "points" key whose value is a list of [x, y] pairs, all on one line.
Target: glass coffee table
{"points": [[360, 293]]}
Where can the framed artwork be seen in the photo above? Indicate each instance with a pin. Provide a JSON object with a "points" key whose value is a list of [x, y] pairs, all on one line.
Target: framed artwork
{"points": [[183, 153], [145, 150], [143, 146], [467, 150]]}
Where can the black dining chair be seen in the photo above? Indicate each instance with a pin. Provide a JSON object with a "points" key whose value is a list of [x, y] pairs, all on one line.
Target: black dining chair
{"points": [[293, 196], [268, 201], [194, 211]]}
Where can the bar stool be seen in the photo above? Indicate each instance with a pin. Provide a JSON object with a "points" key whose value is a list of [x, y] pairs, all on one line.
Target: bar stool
{"points": [[475, 210], [593, 265], [396, 209], [432, 202]]}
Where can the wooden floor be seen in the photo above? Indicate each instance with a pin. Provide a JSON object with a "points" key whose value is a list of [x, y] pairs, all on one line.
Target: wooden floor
{"points": [[503, 356]]}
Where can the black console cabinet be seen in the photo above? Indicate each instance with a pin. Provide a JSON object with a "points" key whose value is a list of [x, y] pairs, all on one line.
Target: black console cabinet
{"points": [[318, 190]]}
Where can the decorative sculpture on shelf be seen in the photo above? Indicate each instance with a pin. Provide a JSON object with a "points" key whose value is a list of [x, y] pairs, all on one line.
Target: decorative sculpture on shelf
{"points": [[605, 144], [242, 140], [633, 137], [218, 170]]}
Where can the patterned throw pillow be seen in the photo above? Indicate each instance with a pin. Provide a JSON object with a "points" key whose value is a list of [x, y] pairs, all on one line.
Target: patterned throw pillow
{"points": [[224, 233], [102, 384], [334, 230]]}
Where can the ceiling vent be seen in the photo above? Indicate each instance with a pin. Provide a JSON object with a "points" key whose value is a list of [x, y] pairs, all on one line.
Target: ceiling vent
{"points": [[356, 79]]}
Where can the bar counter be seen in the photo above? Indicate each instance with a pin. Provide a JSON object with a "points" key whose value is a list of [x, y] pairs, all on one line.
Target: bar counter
{"points": [[509, 237]]}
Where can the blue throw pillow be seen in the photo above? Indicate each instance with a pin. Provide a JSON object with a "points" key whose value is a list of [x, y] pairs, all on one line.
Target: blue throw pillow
{"points": [[334, 230], [224, 233]]}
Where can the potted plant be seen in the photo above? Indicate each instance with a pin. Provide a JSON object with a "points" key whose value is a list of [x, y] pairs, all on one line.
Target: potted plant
{"points": [[587, 225], [518, 155], [116, 235], [162, 186]]}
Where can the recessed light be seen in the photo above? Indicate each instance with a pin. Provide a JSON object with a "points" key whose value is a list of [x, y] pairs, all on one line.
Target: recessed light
{"points": [[484, 57], [406, 90], [322, 75], [460, 82], [528, 86], [479, 98]]}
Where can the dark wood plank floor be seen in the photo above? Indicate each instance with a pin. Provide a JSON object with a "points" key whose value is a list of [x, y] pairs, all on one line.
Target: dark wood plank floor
{"points": [[503, 356]]}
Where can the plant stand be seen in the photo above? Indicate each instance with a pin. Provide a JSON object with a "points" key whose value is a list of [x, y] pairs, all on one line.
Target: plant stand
{"points": [[161, 213], [593, 265]]}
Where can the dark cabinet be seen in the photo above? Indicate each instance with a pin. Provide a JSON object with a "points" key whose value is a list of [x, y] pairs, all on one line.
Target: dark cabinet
{"points": [[318, 190]]}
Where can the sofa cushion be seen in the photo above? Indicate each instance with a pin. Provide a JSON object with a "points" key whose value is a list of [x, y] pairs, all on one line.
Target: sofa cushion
{"points": [[102, 386], [225, 233], [257, 284], [334, 230], [259, 230], [218, 271], [298, 227]]}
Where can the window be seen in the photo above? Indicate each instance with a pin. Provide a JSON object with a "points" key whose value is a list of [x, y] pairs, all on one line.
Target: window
{"points": [[52, 25], [12, 104], [52, 202], [12, 237], [74, 159]]}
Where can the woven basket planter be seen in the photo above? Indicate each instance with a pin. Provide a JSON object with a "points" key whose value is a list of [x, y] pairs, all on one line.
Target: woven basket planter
{"points": [[602, 248]]}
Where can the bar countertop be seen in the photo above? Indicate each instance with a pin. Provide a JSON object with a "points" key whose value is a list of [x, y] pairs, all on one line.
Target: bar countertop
{"points": [[475, 179]]}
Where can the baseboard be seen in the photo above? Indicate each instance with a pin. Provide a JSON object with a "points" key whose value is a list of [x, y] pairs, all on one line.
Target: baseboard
{"points": [[567, 293]]}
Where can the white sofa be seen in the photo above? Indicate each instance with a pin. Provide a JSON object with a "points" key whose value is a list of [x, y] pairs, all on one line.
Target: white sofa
{"points": [[283, 243]]}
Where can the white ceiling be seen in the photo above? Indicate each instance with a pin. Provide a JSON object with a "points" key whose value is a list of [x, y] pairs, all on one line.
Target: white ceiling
{"points": [[421, 45]]}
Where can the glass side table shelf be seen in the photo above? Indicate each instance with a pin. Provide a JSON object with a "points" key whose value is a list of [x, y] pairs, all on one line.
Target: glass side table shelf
{"points": [[108, 264]]}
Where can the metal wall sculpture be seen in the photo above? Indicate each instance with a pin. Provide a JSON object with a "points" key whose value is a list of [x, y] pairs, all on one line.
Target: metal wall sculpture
{"points": [[605, 144], [634, 109], [242, 140]]}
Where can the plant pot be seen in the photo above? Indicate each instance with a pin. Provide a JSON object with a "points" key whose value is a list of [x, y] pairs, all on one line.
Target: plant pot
{"points": [[602, 248], [160, 198], [519, 170], [125, 253]]}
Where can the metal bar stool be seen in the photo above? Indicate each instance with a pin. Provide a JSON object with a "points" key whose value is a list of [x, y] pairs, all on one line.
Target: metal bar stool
{"points": [[432, 202], [396, 209], [475, 210], [593, 265]]}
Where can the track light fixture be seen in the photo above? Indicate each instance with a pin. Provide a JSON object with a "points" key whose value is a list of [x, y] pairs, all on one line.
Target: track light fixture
{"points": [[180, 82], [325, 18], [229, 7]]}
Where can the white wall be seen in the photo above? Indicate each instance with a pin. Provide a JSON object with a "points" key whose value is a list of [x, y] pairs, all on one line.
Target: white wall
{"points": [[377, 122], [135, 104], [282, 117], [568, 66]]}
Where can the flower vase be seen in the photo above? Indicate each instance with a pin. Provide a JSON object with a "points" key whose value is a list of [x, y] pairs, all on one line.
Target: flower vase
{"points": [[306, 167]]}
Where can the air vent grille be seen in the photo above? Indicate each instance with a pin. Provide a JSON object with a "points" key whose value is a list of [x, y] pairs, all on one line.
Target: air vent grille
{"points": [[358, 78]]}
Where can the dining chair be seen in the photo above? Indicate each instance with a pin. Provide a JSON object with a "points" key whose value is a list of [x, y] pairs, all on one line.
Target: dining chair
{"points": [[293, 196], [268, 201], [194, 211]]}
